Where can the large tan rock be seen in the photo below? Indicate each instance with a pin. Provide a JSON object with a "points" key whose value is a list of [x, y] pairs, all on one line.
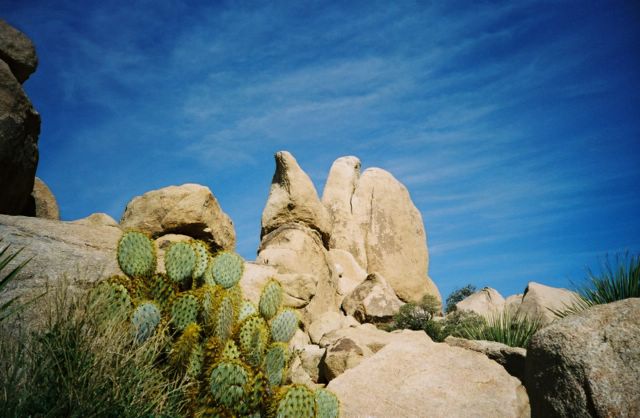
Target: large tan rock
{"points": [[190, 209], [415, 377], [19, 130], [42, 203], [336, 197], [539, 301], [376, 221], [80, 254], [511, 358], [349, 274], [486, 302], [297, 249], [372, 301], [17, 50], [512, 303], [293, 199], [588, 364], [364, 334], [97, 219], [328, 322]]}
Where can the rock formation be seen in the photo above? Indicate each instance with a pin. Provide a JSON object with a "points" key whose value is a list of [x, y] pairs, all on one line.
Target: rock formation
{"points": [[19, 121], [373, 301], [190, 209], [511, 358], [486, 302], [97, 219], [587, 364], [42, 203], [375, 220], [539, 301]]}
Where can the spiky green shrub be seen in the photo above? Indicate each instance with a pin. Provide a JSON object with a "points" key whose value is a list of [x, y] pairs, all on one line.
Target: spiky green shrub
{"points": [[235, 352], [459, 295], [8, 308], [506, 327], [618, 279]]}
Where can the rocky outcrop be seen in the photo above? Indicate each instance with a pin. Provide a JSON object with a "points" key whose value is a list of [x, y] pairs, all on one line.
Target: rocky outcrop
{"points": [[414, 377], [42, 203], [512, 303], [372, 301], [17, 50], [347, 271], [587, 364], [97, 219], [293, 199], [486, 302], [328, 322], [190, 209], [376, 221], [19, 130], [511, 358], [539, 301], [59, 251]]}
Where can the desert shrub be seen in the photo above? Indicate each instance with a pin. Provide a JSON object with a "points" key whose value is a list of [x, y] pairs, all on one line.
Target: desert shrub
{"points": [[78, 366], [456, 322], [419, 317], [618, 279], [505, 327], [10, 306], [457, 296]]}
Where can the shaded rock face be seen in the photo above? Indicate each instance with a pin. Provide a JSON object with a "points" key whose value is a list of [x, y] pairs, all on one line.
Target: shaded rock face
{"points": [[293, 199], [19, 130], [376, 221], [486, 302], [587, 364], [372, 301], [540, 300], [413, 377], [42, 203], [60, 251], [190, 209], [17, 50], [348, 272], [511, 358]]}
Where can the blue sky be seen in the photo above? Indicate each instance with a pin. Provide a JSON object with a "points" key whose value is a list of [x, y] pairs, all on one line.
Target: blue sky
{"points": [[514, 125]]}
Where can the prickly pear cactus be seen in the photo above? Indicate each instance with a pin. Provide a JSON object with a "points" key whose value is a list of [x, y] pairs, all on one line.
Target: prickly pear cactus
{"points": [[236, 351]]}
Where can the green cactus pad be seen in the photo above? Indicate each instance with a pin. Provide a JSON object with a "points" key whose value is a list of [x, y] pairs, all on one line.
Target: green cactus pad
{"points": [[111, 301], [230, 351], [327, 404], [202, 258], [295, 401], [207, 277], [145, 319], [227, 269], [180, 261], [276, 362], [270, 299], [184, 311], [207, 296], [253, 339], [246, 309], [162, 290], [225, 318], [196, 360], [136, 254], [258, 393], [228, 383], [284, 325]]}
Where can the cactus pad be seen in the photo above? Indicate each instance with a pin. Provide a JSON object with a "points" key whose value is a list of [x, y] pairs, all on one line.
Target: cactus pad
{"points": [[145, 319], [111, 300], [284, 325], [228, 383], [162, 290], [227, 269], [180, 261], [270, 299], [202, 258], [253, 339], [295, 401], [275, 363], [136, 254], [230, 351], [327, 404], [183, 348], [225, 318], [184, 311], [246, 309]]}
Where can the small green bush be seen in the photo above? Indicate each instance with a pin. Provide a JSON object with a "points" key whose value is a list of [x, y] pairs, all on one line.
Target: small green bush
{"points": [[506, 328], [459, 295], [9, 307]]}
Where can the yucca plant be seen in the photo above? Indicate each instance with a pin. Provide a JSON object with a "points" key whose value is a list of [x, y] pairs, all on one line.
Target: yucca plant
{"points": [[618, 279], [514, 330], [10, 307]]}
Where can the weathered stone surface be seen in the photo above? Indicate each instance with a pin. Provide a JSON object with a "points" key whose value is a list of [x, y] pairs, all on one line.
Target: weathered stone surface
{"points": [[540, 300], [296, 249], [190, 209], [17, 50], [60, 251], [511, 358], [588, 364], [299, 341], [349, 274], [328, 322], [19, 130], [415, 377], [97, 219], [298, 288], [512, 303], [293, 199], [336, 197], [365, 335], [376, 221], [42, 203], [310, 355], [486, 302], [372, 301]]}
